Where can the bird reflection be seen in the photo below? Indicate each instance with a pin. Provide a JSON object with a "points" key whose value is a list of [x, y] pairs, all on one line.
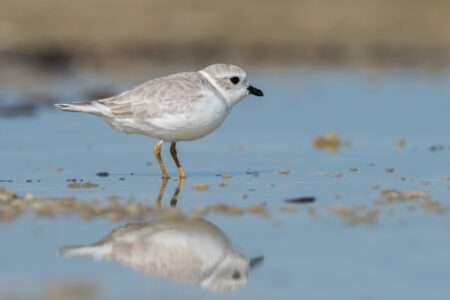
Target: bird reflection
{"points": [[176, 194], [176, 247]]}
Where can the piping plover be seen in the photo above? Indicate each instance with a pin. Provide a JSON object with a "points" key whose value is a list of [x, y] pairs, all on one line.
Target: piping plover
{"points": [[175, 247], [179, 107]]}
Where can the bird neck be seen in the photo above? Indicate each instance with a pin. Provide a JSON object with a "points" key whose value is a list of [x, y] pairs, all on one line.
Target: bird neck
{"points": [[214, 85]]}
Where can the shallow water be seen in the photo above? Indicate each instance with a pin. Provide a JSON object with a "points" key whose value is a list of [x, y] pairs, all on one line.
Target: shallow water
{"points": [[361, 249]]}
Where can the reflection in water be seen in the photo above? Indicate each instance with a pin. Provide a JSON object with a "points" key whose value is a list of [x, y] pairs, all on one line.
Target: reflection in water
{"points": [[174, 199], [176, 247]]}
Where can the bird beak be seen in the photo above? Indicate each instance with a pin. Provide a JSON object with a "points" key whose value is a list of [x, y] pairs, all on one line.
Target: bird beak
{"points": [[256, 261], [254, 91]]}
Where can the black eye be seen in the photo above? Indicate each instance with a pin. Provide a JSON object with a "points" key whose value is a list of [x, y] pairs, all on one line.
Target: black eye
{"points": [[236, 275], [234, 80]]}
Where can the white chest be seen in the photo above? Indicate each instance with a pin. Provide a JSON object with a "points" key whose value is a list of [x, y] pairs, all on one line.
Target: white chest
{"points": [[203, 118]]}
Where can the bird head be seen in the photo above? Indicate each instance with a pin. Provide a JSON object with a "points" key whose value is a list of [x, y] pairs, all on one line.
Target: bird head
{"points": [[231, 82], [231, 273]]}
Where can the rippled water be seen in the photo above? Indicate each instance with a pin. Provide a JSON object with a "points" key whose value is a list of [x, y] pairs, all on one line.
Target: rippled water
{"points": [[354, 241]]}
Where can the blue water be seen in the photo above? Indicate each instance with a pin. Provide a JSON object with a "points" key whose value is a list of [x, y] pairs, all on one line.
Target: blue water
{"points": [[404, 255]]}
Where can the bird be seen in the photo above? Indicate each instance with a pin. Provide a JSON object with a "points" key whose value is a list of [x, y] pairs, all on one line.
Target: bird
{"points": [[176, 247], [179, 107]]}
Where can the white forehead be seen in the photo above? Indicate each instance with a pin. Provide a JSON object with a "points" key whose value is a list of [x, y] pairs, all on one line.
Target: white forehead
{"points": [[224, 70]]}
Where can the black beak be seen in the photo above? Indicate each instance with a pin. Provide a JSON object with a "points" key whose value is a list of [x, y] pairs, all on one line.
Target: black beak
{"points": [[256, 262], [255, 91]]}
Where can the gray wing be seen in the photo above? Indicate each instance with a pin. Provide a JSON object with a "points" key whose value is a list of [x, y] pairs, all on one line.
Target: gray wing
{"points": [[174, 94]]}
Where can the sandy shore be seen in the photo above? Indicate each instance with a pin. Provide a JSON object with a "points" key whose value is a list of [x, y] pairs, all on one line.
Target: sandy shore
{"points": [[364, 32]]}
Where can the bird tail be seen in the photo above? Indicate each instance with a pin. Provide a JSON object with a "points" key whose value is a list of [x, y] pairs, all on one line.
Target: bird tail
{"points": [[90, 251], [87, 107]]}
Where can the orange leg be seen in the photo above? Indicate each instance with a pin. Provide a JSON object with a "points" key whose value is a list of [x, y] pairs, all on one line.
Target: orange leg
{"points": [[173, 152], [157, 151]]}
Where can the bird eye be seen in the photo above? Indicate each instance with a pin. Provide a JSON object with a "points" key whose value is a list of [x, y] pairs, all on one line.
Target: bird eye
{"points": [[234, 80], [236, 275]]}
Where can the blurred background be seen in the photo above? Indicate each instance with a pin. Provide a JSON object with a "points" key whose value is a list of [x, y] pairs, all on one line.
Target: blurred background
{"points": [[368, 32], [338, 176], [52, 35]]}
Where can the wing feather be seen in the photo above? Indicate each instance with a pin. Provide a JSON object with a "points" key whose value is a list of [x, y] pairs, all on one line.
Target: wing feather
{"points": [[171, 95]]}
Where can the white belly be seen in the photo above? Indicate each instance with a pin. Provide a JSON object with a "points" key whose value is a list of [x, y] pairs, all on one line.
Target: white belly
{"points": [[204, 118]]}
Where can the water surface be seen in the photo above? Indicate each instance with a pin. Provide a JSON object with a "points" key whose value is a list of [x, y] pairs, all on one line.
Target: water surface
{"points": [[343, 245]]}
